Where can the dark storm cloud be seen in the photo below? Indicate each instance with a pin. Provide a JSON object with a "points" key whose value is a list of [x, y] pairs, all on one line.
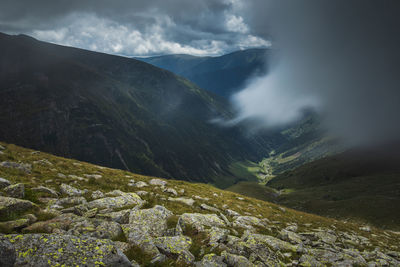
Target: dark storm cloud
{"points": [[148, 27], [342, 57]]}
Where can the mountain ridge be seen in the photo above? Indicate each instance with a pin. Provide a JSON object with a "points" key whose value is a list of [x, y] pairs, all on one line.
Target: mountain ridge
{"points": [[116, 111], [223, 75]]}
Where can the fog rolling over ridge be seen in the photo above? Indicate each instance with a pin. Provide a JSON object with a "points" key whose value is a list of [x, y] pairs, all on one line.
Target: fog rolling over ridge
{"points": [[339, 57]]}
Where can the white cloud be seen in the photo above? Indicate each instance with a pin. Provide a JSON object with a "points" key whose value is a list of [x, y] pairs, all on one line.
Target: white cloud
{"points": [[272, 100], [235, 24], [91, 32]]}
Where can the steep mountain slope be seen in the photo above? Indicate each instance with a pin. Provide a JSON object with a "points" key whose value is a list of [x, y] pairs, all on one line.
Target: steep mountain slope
{"points": [[116, 112], [222, 75], [304, 140], [56, 211], [359, 184]]}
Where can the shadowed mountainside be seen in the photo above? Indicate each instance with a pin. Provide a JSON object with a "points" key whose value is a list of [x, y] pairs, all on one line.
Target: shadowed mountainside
{"points": [[223, 75], [117, 112]]}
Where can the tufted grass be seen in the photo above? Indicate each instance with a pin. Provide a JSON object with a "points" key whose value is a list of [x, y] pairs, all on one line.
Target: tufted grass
{"points": [[47, 175]]}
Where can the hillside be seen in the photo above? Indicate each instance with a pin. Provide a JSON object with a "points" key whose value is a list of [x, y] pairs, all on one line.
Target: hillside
{"points": [[221, 75], [57, 211], [359, 184], [117, 112]]}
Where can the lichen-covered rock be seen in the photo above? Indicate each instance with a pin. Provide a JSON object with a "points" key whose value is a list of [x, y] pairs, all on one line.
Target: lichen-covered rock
{"points": [[216, 235], [7, 253], [43, 162], [247, 222], [121, 217], [211, 260], [71, 191], [15, 190], [199, 221], [339, 258], [269, 241], [308, 261], [223, 217], [201, 198], [236, 260], [93, 176], [97, 194], [40, 250], [142, 193], [290, 236], [13, 225], [46, 191], [115, 193], [71, 201], [255, 250], [187, 201], [10, 205], [95, 228], [90, 213], [141, 184], [24, 167], [123, 246], [4, 183], [145, 225], [175, 247], [154, 219], [232, 213], [118, 202], [209, 208], [61, 222], [158, 182], [171, 191]]}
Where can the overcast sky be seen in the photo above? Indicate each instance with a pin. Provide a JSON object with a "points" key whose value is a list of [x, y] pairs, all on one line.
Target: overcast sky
{"points": [[341, 57], [137, 28]]}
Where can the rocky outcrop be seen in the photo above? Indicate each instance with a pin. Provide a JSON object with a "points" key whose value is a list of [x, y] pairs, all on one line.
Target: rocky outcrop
{"points": [[187, 201], [15, 190], [37, 250], [23, 167], [7, 253], [10, 205], [118, 202], [200, 221], [71, 191], [87, 227], [4, 183]]}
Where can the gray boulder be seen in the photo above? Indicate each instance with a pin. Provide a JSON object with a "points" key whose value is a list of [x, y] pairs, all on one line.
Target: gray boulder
{"points": [[15, 190], [4, 183], [176, 247], [187, 201], [209, 208], [95, 228], [211, 260], [24, 167], [37, 250], [158, 182], [97, 194], [71, 191], [7, 253], [46, 191], [10, 205], [200, 221], [236, 260], [145, 225], [126, 199]]}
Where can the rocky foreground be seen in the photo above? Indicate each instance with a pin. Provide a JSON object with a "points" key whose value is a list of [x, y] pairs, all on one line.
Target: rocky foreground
{"points": [[59, 212]]}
